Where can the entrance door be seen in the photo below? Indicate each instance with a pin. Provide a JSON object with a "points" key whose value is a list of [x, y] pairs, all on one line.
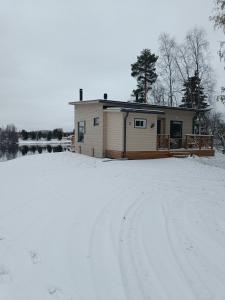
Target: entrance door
{"points": [[176, 134]]}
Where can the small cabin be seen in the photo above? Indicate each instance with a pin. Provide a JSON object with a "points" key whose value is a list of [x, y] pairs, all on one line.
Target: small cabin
{"points": [[117, 129]]}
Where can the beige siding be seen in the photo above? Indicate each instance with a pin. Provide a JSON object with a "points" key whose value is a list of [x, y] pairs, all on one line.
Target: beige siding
{"points": [[175, 115], [93, 138], [114, 131], [140, 139]]}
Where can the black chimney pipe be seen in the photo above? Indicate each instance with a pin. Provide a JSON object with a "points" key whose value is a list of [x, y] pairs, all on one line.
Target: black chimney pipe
{"points": [[81, 94], [137, 97], [105, 96]]}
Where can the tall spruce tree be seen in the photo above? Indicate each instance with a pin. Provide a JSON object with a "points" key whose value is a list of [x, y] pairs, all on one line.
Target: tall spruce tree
{"points": [[194, 96], [145, 72]]}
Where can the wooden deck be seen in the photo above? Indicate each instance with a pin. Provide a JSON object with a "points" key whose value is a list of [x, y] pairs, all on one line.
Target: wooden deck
{"points": [[159, 153], [200, 145]]}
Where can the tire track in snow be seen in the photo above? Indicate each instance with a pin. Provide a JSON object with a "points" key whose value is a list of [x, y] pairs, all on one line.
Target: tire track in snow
{"points": [[179, 251], [202, 261], [103, 246], [102, 250], [138, 276]]}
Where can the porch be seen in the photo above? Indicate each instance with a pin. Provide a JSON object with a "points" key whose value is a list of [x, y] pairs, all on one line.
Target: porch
{"points": [[189, 142]]}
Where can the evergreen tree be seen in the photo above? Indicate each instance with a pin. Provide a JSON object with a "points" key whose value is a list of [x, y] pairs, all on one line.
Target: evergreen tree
{"points": [[49, 135], [145, 72], [24, 134], [194, 96]]}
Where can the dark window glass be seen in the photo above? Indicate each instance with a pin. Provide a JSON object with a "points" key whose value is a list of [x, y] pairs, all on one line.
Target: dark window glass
{"points": [[96, 121], [176, 129], [81, 131]]}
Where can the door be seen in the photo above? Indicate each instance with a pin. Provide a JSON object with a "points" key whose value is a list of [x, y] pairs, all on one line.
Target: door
{"points": [[176, 134]]}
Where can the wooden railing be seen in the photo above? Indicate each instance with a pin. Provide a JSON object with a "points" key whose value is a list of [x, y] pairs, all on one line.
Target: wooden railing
{"points": [[163, 141], [191, 141], [196, 141]]}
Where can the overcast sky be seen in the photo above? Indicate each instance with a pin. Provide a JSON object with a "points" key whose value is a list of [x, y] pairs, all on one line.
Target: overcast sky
{"points": [[51, 48]]}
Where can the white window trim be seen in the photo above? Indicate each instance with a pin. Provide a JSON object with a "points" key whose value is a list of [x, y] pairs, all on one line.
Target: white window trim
{"points": [[141, 120]]}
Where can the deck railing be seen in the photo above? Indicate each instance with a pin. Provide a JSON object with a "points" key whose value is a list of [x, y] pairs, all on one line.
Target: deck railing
{"points": [[191, 141], [163, 141], [196, 141]]}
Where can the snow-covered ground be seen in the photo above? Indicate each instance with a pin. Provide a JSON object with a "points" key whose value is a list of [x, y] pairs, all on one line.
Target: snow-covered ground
{"points": [[44, 142], [74, 227]]}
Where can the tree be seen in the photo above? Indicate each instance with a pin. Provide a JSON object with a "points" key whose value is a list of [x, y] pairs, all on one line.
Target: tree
{"points": [[217, 129], [49, 135], [219, 22], [158, 93], [193, 55], [57, 133], [194, 96], [24, 134], [219, 14], [145, 72], [39, 135], [167, 65]]}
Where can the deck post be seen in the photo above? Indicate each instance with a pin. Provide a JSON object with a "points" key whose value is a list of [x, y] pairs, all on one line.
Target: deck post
{"points": [[212, 141], [200, 142]]}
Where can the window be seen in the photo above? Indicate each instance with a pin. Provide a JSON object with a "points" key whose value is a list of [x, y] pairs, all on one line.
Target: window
{"points": [[81, 131], [140, 123], [96, 121]]}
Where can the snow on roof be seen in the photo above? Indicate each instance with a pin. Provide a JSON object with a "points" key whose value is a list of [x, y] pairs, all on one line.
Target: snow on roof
{"points": [[133, 110]]}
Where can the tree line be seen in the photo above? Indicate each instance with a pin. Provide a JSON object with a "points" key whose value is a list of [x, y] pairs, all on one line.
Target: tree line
{"points": [[48, 135]]}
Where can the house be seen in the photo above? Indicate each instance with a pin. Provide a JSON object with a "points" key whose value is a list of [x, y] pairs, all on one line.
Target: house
{"points": [[116, 129]]}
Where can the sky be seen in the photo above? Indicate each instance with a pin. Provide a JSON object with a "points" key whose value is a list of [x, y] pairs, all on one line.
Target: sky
{"points": [[51, 48]]}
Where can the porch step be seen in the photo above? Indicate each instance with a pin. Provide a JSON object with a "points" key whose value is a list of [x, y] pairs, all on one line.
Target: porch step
{"points": [[180, 154]]}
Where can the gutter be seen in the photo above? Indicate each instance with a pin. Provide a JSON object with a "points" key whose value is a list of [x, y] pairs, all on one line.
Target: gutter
{"points": [[125, 134]]}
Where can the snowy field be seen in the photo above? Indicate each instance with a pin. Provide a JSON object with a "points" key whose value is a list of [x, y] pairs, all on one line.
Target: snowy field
{"points": [[78, 228]]}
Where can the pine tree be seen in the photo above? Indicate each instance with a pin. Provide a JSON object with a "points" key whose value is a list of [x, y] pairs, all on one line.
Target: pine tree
{"points": [[145, 72], [194, 96]]}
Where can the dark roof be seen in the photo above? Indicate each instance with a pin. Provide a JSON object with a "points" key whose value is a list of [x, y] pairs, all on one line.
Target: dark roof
{"points": [[134, 105]]}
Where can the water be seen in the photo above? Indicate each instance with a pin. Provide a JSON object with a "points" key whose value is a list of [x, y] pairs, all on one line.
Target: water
{"points": [[12, 151]]}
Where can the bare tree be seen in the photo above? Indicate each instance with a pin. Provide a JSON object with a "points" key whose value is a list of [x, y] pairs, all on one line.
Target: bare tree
{"points": [[158, 93], [194, 56], [217, 129], [167, 65], [219, 15]]}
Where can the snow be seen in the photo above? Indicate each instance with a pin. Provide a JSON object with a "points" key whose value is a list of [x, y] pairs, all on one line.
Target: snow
{"points": [[44, 142], [75, 227]]}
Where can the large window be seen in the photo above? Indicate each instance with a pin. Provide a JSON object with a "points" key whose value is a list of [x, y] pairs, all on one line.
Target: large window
{"points": [[81, 131], [140, 123]]}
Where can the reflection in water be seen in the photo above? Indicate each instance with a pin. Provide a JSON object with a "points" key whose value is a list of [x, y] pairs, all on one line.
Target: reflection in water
{"points": [[11, 151], [49, 148]]}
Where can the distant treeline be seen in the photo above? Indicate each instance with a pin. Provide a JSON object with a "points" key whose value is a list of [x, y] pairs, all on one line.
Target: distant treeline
{"points": [[8, 135], [44, 134]]}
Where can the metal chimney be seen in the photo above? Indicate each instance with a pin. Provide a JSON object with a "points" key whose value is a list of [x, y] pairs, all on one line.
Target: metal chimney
{"points": [[81, 94], [105, 96], [136, 97]]}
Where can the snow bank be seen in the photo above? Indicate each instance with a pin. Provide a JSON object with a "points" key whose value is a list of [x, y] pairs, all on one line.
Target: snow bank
{"points": [[75, 227]]}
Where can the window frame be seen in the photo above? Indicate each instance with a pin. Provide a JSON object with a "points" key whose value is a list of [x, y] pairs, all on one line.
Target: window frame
{"points": [[140, 120], [80, 139], [94, 121]]}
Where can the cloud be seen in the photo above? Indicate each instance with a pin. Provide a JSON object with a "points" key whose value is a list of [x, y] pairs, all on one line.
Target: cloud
{"points": [[49, 49]]}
